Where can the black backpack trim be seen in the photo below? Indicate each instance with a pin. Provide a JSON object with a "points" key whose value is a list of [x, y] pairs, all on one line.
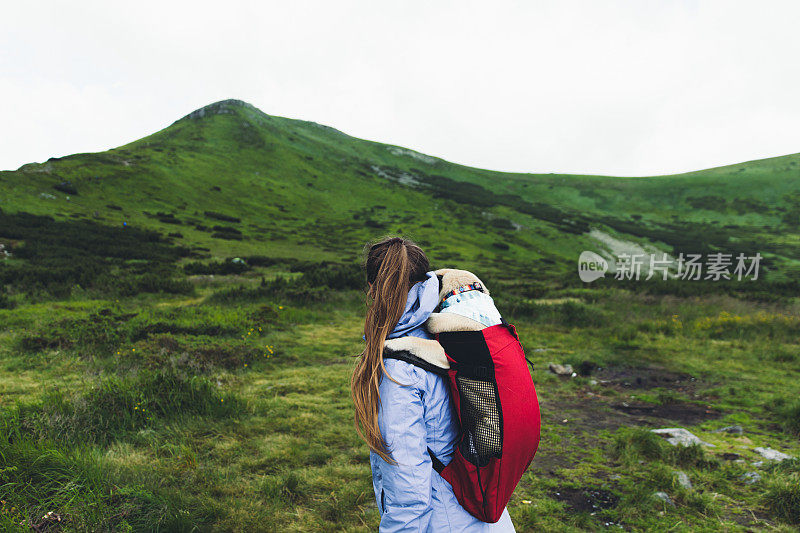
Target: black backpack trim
{"points": [[408, 357]]}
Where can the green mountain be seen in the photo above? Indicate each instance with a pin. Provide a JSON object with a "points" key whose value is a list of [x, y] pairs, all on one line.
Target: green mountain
{"points": [[229, 180]]}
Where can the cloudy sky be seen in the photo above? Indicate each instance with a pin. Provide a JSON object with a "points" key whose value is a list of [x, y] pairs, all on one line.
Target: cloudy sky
{"points": [[633, 87]]}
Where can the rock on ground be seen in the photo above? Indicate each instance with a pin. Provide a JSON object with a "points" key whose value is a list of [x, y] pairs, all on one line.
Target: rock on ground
{"points": [[683, 479], [736, 430], [772, 455], [676, 436], [664, 497], [560, 370], [751, 477]]}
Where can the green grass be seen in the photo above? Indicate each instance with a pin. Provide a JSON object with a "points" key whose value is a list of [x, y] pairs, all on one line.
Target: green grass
{"points": [[141, 431]]}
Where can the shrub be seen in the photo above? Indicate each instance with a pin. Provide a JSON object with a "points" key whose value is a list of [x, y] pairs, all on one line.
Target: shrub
{"points": [[5, 301], [788, 414], [98, 334], [277, 289], [761, 324], [334, 276], [114, 406], [39, 476], [226, 229], [572, 314], [195, 354], [782, 497], [37, 343], [59, 255], [222, 217], [502, 223], [66, 187], [261, 260], [227, 236], [216, 268], [633, 443]]}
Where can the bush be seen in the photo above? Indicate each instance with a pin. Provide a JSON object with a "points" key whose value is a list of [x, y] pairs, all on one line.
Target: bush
{"points": [[150, 282], [219, 268], [782, 497], [788, 414], [98, 334], [66, 187], [5, 301], [39, 476], [59, 255], [277, 289], [227, 236], [632, 444], [222, 217], [571, 314], [261, 260], [226, 229], [38, 343], [334, 276], [194, 354], [115, 406]]}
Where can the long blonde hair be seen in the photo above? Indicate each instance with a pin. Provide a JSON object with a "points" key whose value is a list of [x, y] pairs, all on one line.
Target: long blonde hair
{"points": [[392, 265]]}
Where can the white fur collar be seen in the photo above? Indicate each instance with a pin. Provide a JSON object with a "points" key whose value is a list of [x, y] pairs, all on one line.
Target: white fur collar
{"points": [[428, 350]]}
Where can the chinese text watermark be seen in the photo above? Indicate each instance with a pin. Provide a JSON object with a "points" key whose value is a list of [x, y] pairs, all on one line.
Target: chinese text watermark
{"points": [[690, 267]]}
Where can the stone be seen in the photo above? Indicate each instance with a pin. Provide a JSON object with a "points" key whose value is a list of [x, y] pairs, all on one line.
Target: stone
{"points": [[735, 430], [664, 497], [750, 477], [560, 370], [676, 436], [772, 455], [683, 479]]}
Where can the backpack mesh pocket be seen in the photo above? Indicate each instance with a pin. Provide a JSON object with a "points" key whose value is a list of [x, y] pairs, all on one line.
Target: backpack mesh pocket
{"points": [[481, 421]]}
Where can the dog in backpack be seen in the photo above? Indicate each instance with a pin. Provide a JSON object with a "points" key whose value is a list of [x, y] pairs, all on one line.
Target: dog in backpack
{"points": [[464, 303]]}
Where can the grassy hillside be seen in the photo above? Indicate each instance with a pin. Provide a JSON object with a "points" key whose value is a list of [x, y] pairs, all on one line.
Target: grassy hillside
{"points": [[300, 189], [150, 382]]}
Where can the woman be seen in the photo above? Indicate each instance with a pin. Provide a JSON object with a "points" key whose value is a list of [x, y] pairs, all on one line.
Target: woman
{"points": [[401, 409]]}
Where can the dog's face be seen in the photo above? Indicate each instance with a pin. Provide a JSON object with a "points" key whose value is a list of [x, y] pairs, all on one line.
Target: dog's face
{"points": [[451, 278]]}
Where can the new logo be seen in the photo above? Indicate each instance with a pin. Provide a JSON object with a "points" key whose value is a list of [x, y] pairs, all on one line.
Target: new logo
{"points": [[591, 266]]}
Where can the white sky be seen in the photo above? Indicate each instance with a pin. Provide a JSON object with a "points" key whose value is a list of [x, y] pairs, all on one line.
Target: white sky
{"points": [[633, 87]]}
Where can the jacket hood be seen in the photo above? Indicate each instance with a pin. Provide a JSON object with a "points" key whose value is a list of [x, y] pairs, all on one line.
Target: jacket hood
{"points": [[423, 297]]}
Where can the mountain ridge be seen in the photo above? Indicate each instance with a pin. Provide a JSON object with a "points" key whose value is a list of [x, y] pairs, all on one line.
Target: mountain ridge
{"points": [[299, 187]]}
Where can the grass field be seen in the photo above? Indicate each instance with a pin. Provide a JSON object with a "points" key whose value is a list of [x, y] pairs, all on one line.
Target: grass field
{"points": [[148, 382]]}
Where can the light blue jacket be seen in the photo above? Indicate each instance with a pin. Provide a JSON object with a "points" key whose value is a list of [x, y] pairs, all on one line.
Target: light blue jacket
{"points": [[411, 495]]}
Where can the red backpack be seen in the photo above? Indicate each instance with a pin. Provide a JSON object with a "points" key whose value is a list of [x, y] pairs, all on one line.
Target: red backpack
{"points": [[498, 413], [494, 397]]}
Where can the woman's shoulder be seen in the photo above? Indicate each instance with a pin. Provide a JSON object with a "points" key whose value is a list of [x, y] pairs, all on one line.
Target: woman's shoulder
{"points": [[426, 354], [405, 372]]}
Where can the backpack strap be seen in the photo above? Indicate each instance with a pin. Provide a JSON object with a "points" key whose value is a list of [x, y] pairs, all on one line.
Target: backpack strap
{"points": [[427, 354], [435, 462]]}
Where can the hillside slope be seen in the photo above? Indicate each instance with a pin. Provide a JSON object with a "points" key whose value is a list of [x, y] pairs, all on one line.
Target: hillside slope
{"points": [[230, 180]]}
